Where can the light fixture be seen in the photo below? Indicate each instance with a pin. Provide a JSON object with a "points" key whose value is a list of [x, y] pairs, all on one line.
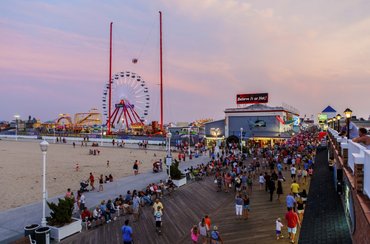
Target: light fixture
{"points": [[348, 113]]}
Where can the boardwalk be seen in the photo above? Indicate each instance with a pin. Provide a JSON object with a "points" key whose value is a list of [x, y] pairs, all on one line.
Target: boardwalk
{"points": [[186, 207], [324, 221]]}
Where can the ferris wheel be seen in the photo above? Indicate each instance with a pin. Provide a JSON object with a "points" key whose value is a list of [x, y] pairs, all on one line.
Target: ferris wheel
{"points": [[130, 101]]}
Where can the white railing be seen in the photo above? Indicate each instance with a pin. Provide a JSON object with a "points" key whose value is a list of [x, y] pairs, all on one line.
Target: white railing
{"points": [[367, 173], [354, 150]]}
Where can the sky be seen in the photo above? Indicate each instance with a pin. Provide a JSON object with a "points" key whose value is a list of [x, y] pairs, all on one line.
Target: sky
{"points": [[54, 55]]}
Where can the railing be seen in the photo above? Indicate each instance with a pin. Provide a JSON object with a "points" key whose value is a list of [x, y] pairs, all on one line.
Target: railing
{"points": [[354, 150], [367, 173], [357, 154]]}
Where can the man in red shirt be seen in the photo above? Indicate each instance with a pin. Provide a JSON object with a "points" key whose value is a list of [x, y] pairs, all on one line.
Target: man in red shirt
{"points": [[92, 179], [292, 222]]}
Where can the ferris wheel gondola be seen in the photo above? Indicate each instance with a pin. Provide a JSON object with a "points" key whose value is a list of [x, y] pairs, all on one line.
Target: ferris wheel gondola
{"points": [[130, 100]]}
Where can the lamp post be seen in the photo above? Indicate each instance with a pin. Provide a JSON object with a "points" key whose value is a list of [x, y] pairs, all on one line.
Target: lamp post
{"points": [[241, 140], [101, 136], [189, 141], [333, 123], [168, 157], [55, 139], [338, 122], [44, 148], [348, 114], [16, 126]]}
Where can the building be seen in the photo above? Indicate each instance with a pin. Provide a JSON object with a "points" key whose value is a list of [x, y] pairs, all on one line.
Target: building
{"points": [[257, 122]]}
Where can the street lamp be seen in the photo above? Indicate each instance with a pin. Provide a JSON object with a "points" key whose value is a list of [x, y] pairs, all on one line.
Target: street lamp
{"points": [[348, 114], [189, 141], [338, 119], [44, 148], [168, 157], [333, 123], [101, 136], [16, 126], [241, 140], [55, 139]]}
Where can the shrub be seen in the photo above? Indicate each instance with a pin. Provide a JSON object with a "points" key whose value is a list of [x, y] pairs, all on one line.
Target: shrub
{"points": [[175, 172], [61, 213]]}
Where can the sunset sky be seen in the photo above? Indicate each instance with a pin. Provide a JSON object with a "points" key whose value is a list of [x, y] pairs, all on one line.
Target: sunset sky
{"points": [[308, 54]]}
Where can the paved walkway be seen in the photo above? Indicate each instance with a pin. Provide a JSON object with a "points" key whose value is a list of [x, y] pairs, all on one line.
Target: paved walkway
{"points": [[324, 219], [14, 220]]}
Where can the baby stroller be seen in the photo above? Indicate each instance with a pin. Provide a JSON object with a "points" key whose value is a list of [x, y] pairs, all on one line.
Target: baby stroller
{"points": [[83, 186]]}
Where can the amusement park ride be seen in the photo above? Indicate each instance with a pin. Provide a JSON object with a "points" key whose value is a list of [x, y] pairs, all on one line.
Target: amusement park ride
{"points": [[126, 93], [82, 121]]}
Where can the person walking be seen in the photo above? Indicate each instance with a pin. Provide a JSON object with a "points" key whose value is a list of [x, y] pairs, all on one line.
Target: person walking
{"points": [[271, 189], [136, 167], [194, 234], [279, 190], [158, 220], [261, 180], [101, 181], [136, 207], [127, 233], [292, 223], [203, 231], [279, 225], [92, 180], [238, 206], [295, 188], [215, 236], [246, 203]]}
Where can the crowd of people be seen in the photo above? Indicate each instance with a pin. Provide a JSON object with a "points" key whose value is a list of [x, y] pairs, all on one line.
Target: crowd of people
{"points": [[260, 168], [266, 166]]}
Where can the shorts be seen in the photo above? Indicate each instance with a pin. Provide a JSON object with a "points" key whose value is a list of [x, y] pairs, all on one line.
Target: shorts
{"points": [[158, 223], [246, 207], [278, 232], [292, 175], [292, 230], [300, 211]]}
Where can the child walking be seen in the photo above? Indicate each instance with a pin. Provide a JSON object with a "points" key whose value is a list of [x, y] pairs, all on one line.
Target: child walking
{"points": [[278, 229]]}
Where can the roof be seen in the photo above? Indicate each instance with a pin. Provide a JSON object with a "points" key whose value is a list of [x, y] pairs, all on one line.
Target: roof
{"points": [[262, 108], [329, 109]]}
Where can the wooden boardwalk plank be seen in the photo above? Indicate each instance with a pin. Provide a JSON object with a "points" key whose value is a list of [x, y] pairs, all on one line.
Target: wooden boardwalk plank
{"points": [[187, 206]]}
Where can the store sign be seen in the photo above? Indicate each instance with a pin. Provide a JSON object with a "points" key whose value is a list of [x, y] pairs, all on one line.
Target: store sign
{"points": [[252, 98]]}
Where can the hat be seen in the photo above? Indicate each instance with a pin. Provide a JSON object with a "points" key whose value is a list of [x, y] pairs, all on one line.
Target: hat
{"points": [[215, 227], [278, 219]]}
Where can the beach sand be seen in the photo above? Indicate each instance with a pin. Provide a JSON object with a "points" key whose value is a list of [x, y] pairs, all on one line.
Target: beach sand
{"points": [[21, 168]]}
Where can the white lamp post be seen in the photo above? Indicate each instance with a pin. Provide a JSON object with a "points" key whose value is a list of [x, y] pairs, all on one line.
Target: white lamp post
{"points": [[55, 139], [189, 142], [44, 148], [241, 140], [101, 138], [16, 126], [169, 158]]}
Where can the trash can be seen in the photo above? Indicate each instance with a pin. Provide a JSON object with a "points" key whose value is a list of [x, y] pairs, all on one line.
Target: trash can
{"points": [[30, 230], [42, 235]]}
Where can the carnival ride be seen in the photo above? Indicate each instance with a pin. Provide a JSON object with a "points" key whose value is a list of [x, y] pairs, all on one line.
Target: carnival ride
{"points": [[82, 121], [130, 98]]}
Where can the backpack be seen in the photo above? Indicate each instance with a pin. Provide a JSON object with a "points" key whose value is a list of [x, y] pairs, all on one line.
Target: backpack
{"points": [[214, 235]]}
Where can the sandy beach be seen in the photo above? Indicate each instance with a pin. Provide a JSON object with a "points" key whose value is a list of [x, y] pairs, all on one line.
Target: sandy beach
{"points": [[21, 168]]}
